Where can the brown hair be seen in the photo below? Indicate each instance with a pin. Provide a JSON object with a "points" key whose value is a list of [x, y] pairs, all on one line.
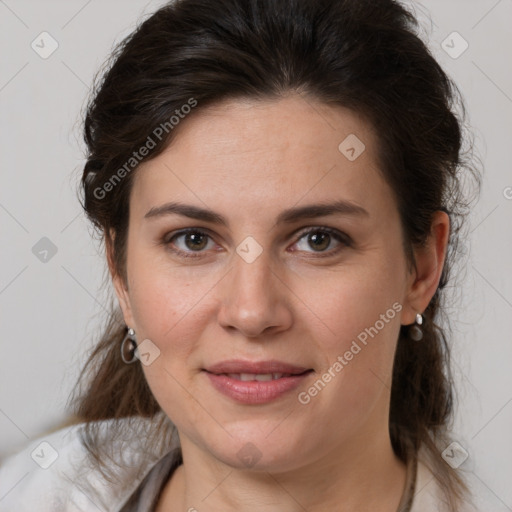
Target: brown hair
{"points": [[360, 54]]}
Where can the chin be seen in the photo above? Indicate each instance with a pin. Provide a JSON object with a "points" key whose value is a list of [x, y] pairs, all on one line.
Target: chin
{"points": [[256, 453]]}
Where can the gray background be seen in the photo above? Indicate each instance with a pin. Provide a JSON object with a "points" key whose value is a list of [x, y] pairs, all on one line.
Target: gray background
{"points": [[49, 309]]}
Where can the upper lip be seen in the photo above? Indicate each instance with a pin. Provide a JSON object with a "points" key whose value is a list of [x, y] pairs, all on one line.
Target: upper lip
{"points": [[256, 367]]}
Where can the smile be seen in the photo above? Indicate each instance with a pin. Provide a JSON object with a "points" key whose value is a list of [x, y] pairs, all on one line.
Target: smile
{"points": [[261, 377], [256, 388]]}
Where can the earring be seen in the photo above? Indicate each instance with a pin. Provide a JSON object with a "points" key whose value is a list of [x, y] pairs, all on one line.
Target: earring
{"points": [[128, 347], [415, 331]]}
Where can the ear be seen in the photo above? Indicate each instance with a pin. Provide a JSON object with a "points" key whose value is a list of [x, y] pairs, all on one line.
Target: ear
{"points": [[424, 279], [120, 286]]}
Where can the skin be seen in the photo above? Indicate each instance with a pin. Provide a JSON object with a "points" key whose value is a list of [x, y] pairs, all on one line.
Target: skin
{"points": [[249, 161]]}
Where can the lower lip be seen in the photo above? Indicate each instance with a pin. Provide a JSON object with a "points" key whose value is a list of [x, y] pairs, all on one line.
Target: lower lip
{"points": [[255, 392]]}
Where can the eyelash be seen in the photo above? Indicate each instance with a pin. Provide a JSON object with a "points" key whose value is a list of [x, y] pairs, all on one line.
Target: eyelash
{"points": [[340, 237]]}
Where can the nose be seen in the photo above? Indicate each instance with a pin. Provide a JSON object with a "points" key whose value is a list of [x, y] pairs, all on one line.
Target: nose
{"points": [[255, 299]]}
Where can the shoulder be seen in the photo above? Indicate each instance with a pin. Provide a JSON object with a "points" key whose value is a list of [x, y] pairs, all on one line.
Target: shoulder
{"points": [[54, 474], [428, 495], [34, 478]]}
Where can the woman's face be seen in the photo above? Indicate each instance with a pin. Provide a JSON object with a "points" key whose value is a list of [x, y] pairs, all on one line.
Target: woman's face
{"points": [[257, 288]]}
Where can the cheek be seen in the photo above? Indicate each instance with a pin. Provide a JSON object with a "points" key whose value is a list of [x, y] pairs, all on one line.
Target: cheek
{"points": [[163, 296], [363, 316], [361, 308], [352, 303], [168, 308]]}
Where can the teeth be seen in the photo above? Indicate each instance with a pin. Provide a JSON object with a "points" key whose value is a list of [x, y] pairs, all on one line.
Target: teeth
{"points": [[261, 377]]}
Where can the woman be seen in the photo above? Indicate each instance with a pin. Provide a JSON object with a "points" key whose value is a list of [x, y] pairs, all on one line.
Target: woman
{"points": [[278, 188]]}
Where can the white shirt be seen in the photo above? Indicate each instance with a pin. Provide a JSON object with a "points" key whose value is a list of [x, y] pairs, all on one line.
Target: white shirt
{"points": [[52, 474]]}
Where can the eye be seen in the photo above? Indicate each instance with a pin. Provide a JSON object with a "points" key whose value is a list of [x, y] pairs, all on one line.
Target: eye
{"points": [[321, 238], [189, 241], [193, 240]]}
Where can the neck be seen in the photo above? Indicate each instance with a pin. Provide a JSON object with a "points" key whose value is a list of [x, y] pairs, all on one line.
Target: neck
{"points": [[363, 476]]}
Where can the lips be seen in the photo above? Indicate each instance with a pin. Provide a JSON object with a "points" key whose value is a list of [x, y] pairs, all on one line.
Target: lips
{"points": [[254, 383], [239, 367], [260, 377]]}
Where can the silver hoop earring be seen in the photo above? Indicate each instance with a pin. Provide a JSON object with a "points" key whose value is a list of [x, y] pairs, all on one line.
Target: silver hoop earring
{"points": [[128, 347], [415, 331]]}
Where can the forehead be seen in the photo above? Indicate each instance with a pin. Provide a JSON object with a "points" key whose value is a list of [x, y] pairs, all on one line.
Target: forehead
{"points": [[245, 154], [297, 125]]}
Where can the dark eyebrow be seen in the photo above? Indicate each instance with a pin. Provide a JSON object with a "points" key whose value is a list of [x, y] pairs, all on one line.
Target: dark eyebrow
{"points": [[286, 217]]}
